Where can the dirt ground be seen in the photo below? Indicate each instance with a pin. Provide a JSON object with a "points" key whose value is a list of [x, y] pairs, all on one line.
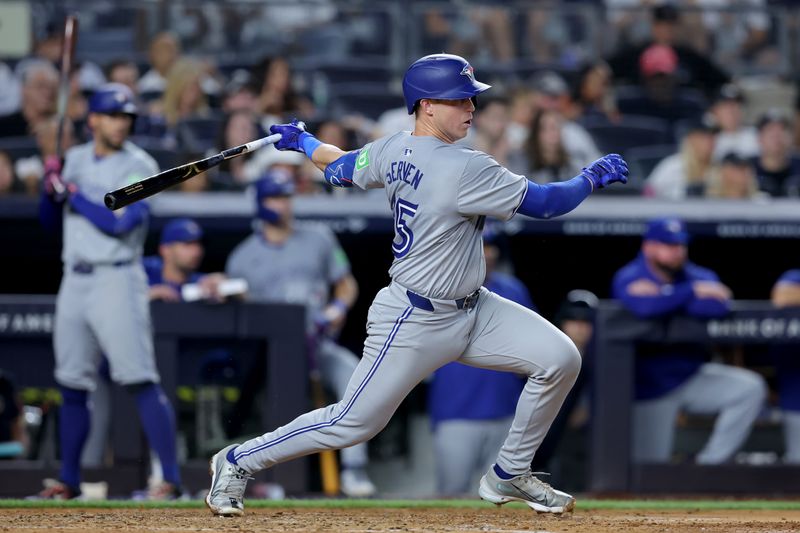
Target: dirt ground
{"points": [[397, 520]]}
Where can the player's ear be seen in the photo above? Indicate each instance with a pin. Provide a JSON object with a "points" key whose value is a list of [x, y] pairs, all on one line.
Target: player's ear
{"points": [[426, 106]]}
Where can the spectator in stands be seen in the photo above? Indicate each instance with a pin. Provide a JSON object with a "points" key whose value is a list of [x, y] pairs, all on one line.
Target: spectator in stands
{"points": [[8, 182], [264, 161], [550, 91], [277, 98], [692, 68], [687, 172], [490, 133], [77, 103], [30, 170], [11, 94], [183, 95], [661, 95], [734, 179], [734, 136], [124, 71], [471, 409], [238, 127], [659, 284], [39, 88], [777, 167], [735, 38], [546, 157], [593, 95], [521, 109], [786, 293], [471, 31], [164, 52], [240, 93]]}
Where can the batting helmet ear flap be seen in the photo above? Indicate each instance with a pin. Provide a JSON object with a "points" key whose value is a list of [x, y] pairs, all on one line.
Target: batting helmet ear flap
{"points": [[441, 77]]}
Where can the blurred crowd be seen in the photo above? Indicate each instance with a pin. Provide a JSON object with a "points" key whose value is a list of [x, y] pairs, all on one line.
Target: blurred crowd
{"points": [[692, 93]]}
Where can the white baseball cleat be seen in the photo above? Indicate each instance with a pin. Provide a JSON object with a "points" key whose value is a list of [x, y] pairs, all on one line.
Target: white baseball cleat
{"points": [[356, 484], [525, 488], [228, 483]]}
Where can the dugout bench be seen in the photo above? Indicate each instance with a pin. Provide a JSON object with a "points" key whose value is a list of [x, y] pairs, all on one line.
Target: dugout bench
{"points": [[617, 333], [26, 324]]}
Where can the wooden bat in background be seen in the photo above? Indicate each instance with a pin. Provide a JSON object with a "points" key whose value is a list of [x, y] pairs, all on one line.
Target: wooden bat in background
{"points": [[149, 186], [67, 60]]}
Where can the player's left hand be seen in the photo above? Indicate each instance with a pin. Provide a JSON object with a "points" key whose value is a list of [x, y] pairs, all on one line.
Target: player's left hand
{"points": [[53, 184], [291, 135], [610, 168]]}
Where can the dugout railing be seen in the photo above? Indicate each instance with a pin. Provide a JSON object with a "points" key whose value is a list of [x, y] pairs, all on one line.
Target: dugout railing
{"points": [[617, 335], [276, 333]]}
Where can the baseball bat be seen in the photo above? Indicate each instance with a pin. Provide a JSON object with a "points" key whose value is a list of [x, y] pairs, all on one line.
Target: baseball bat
{"points": [[67, 57], [149, 186]]}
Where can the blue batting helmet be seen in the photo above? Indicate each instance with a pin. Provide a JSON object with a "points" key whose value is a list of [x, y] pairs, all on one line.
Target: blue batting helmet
{"points": [[112, 98], [276, 182], [440, 76]]}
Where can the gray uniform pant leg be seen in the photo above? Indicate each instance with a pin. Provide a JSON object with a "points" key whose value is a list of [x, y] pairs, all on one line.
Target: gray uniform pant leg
{"points": [[510, 337], [100, 428], [402, 347], [464, 448], [791, 436], [736, 394], [336, 365], [77, 352]]}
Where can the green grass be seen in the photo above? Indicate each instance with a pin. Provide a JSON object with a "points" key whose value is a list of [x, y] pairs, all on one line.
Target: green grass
{"points": [[583, 504]]}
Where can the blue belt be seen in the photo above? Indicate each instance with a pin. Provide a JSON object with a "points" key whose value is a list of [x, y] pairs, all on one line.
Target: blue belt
{"points": [[467, 302], [88, 268]]}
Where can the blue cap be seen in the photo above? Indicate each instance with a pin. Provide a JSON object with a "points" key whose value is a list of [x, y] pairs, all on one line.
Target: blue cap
{"points": [[275, 182], [669, 230], [181, 230]]}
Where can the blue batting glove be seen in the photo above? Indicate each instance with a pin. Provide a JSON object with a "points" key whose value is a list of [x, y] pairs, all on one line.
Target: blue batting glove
{"points": [[295, 137], [608, 169]]}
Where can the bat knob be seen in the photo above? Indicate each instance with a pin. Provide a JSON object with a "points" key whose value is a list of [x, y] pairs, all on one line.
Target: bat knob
{"points": [[110, 201]]}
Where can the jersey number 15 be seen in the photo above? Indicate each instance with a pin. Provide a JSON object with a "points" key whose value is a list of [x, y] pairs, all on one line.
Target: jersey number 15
{"points": [[403, 211]]}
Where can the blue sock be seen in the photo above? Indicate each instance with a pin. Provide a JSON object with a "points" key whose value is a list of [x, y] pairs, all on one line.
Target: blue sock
{"points": [[158, 421], [72, 432], [230, 456], [502, 474]]}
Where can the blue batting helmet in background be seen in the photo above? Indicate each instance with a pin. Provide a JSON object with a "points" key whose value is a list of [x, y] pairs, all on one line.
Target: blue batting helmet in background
{"points": [[440, 76], [181, 230], [112, 98], [276, 182]]}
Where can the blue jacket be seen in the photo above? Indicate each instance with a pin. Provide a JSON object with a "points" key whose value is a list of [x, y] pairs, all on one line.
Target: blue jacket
{"points": [[661, 369], [787, 362], [154, 267], [461, 392]]}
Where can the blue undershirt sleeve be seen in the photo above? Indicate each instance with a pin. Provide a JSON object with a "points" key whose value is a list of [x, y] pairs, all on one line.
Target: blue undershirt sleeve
{"points": [[554, 199], [105, 220], [50, 213]]}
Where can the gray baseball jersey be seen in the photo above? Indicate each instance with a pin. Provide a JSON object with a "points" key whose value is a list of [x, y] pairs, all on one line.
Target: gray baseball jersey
{"points": [[83, 242], [102, 306], [300, 270], [440, 194]]}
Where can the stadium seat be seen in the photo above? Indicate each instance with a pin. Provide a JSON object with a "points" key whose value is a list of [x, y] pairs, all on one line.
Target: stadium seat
{"points": [[629, 132], [17, 147], [198, 134], [643, 159], [370, 100]]}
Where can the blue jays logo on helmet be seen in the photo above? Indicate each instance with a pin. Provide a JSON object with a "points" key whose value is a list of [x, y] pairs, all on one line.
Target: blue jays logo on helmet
{"points": [[112, 98], [441, 77]]}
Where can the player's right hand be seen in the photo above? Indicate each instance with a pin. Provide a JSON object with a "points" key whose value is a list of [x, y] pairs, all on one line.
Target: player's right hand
{"points": [[164, 292], [610, 168], [291, 135], [54, 186]]}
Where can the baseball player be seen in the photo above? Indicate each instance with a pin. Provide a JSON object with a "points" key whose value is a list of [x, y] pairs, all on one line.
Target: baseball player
{"points": [[102, 304], [435, 311], [786, 293], [286, 261], [661, 282]]}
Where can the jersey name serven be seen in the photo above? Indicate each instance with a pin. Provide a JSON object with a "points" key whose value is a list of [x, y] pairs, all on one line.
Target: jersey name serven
{"points": [[404, 171]]}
